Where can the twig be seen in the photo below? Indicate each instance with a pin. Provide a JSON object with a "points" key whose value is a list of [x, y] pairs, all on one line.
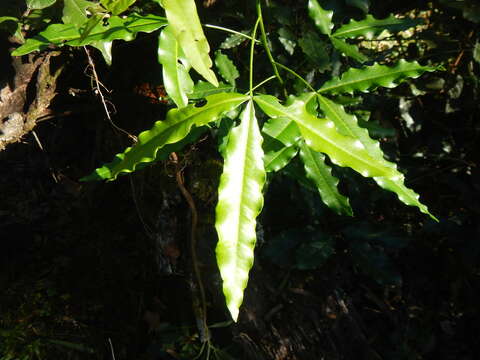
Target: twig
{"points": [[201, 318], [98, 90]]}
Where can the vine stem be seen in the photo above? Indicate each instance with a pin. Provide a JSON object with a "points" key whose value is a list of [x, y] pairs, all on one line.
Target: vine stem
{"points": [[252, 48], [201, 318], [265, 43]]}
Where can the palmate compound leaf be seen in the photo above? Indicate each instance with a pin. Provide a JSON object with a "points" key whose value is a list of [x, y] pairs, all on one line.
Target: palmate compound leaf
{"points": [[174, 128], [321, 175], [321, 135], [370, 27], [370, 77], [347, 124], [175, 67], [240, 200], [182, 16], [124, 28]]}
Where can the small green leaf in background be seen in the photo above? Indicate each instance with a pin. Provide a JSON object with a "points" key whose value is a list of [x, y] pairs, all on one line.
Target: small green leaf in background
{"points": [[39, 4], [116, 7], [240, 200], [314, 252], [287, 39], [321, 175], [75, 11], [349, 50], [369, 78], [226, 68], [321, 17], [175, 67], [476, 52], [370, 27], [233, 40], [316, 50], [363, 5], [182, 16]]}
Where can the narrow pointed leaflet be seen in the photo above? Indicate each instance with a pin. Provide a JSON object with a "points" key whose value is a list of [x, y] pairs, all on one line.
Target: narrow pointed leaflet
{"points": [[174, 128], [327, 184], [177, 81], [347, 124], [321, 135], [183, 18], [240, 200]]}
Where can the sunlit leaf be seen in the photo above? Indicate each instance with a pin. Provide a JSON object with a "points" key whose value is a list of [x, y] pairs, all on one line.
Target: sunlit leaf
{"points": [[346, 124], [175, 67], [282, 129], [287, 39], [117, 28], [321, 175], [182, 16], [369, 78], [370, 27], [321, 17], [321, 135], [240, 200], [174, 128]]}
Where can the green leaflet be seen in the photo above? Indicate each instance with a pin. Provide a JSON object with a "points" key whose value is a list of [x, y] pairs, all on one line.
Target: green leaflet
{"points": [[370, 77], [117, 28], [176, 127], [282, 129], [321, 17], [346, 124], [321, 175], [175, 67], [349, 50], [277, 155], [370, 27], [321, 135], [182, 16], [226, 68], [240, 200], [280, 144]]}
